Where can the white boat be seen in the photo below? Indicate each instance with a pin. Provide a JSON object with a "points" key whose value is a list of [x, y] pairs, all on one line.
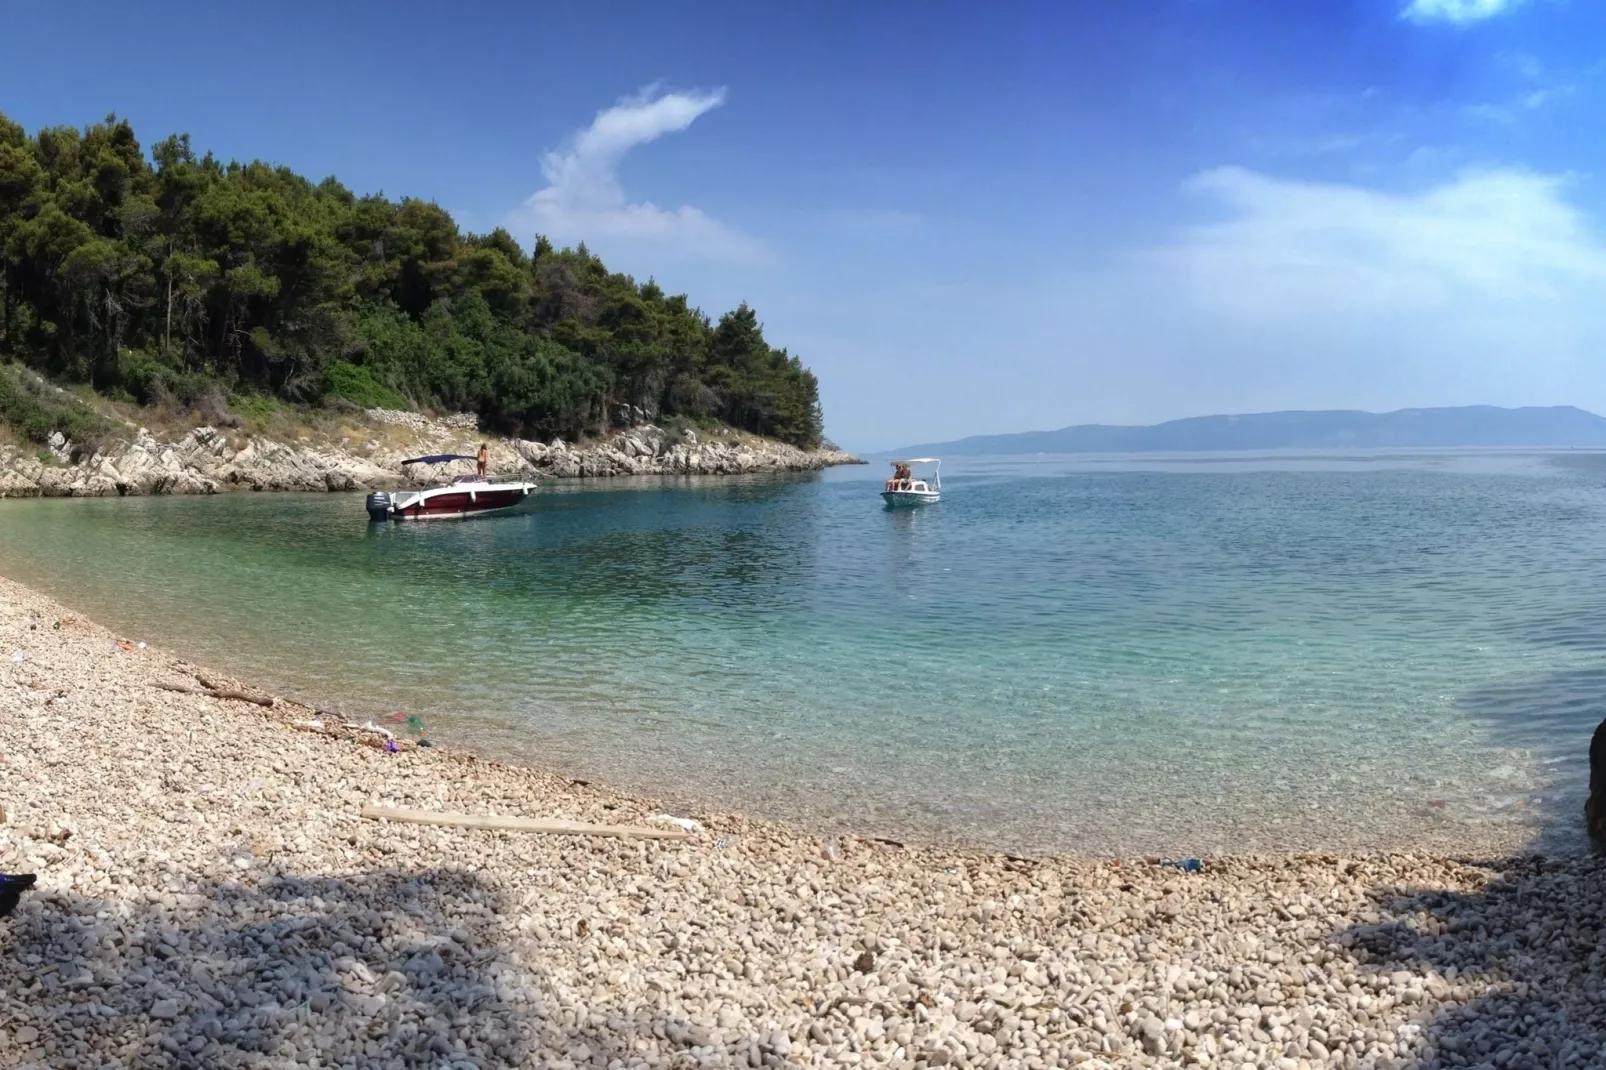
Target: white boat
{"points": [[903, 490]]}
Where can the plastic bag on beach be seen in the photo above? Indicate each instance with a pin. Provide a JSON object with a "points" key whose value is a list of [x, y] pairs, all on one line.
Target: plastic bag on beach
{"points": [[690, 824]]}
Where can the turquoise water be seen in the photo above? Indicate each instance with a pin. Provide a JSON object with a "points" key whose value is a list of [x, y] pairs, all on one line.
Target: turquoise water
{"points": [[1115, 655]]}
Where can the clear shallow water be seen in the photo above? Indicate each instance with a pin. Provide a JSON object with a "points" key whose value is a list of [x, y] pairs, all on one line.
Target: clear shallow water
{"points": [[1122, 655]]}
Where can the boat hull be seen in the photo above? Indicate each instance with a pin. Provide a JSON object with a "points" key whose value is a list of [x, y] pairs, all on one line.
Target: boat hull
{"points": [[460, 503], [902, 499]]}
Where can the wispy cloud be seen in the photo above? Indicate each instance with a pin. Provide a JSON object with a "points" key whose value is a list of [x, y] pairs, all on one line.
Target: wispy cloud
{"points": [[1460, 12], [1362, 124], [585, 201], [1291, 247], [1528, 101], [1478, 288], [1483, 288], [1524, 65], [1536, 87]]}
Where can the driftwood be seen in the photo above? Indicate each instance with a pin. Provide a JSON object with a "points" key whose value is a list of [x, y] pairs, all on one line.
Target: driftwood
{"points": [[551, 826], [214, 692], [219, 691]]}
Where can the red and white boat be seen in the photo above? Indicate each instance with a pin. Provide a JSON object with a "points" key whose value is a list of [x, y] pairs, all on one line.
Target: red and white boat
{"points": [[465, 496]]}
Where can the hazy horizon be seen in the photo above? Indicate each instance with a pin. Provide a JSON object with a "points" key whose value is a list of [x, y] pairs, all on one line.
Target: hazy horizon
{"points": [[1244, 413], [1036, 216]]}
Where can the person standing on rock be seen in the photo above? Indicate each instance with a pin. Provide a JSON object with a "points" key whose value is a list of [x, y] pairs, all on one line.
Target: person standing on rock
{"points": [[482, 460]]}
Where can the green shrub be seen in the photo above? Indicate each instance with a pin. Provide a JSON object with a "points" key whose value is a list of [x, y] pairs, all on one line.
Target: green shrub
{"points": [[358, 386], [36, 411], [150, 382], [256, 408]]}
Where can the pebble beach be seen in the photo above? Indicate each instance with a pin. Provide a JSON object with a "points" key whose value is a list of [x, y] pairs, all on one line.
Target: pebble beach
{"points": [[211, 895]]}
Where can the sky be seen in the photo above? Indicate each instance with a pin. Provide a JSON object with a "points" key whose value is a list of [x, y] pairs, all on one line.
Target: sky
{"points": [[965, 218]]}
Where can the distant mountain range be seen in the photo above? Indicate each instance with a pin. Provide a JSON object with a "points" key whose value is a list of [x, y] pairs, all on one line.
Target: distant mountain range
{"points": [[1471, 425]]}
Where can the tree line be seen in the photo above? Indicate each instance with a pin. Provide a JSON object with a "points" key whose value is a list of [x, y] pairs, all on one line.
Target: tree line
{"points": [[165, 277]]}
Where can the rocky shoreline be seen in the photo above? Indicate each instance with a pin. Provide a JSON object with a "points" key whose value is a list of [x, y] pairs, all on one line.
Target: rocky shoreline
{"points": [[211, 896], [207, 460]]}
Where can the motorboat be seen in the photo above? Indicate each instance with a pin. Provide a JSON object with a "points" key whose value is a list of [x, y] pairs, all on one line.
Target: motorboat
{"points": [[464, 496], [904, 489]]}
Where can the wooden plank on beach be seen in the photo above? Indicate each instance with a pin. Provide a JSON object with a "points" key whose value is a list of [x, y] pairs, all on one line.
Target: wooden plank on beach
{"points": [[548, 825], [237, 696]]}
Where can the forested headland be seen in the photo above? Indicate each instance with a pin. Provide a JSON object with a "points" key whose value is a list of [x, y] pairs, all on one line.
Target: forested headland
{"points": [[178, 278]]}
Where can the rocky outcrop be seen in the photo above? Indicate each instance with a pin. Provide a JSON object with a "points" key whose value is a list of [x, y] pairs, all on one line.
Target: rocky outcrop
{"points": [[461, 421], [650, 450], [207, 460]]}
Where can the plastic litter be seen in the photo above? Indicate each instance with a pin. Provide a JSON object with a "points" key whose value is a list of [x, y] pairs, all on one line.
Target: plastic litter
{"points": [[391, 747], [687, 823], [414, 723], [1187, 865], [370, 727], [18, 655]]}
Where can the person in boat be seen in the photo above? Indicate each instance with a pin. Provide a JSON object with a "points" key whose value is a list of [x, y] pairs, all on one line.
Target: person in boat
{"points": [[900, 477], [482, 461]]}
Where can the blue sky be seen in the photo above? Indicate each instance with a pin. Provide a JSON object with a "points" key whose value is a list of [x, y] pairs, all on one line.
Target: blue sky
{"points": [[966, 218]]}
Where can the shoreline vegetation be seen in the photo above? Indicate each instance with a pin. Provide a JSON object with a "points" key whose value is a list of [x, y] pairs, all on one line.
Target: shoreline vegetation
{"points": [[227, 292], [211, 894]]}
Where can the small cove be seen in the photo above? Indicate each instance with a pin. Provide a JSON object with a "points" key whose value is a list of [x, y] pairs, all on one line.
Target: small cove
{"points": [[1115, 655]]}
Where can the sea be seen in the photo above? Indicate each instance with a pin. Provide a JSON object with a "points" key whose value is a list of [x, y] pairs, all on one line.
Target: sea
{"points": [[1117, 655]]}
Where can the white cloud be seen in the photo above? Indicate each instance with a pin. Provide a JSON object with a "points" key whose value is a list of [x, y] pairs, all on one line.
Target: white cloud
{"points": [[1459, 12], [1531, 100], [585, 201], [1289, 247], [1484, 289]]}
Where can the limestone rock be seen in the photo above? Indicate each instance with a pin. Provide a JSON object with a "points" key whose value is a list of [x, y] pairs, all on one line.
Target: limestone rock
{"points": [[204, 460]]}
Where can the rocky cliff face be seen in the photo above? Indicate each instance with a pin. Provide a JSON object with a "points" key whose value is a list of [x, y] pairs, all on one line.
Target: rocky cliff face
{"points": [[206, 460]]}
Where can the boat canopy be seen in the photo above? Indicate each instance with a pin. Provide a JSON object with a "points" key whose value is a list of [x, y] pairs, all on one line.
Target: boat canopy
{"points": [[918, 460], [442, 458]]}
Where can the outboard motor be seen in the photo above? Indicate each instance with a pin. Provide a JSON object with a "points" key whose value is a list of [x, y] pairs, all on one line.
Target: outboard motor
{"points": [[379, 505]]}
